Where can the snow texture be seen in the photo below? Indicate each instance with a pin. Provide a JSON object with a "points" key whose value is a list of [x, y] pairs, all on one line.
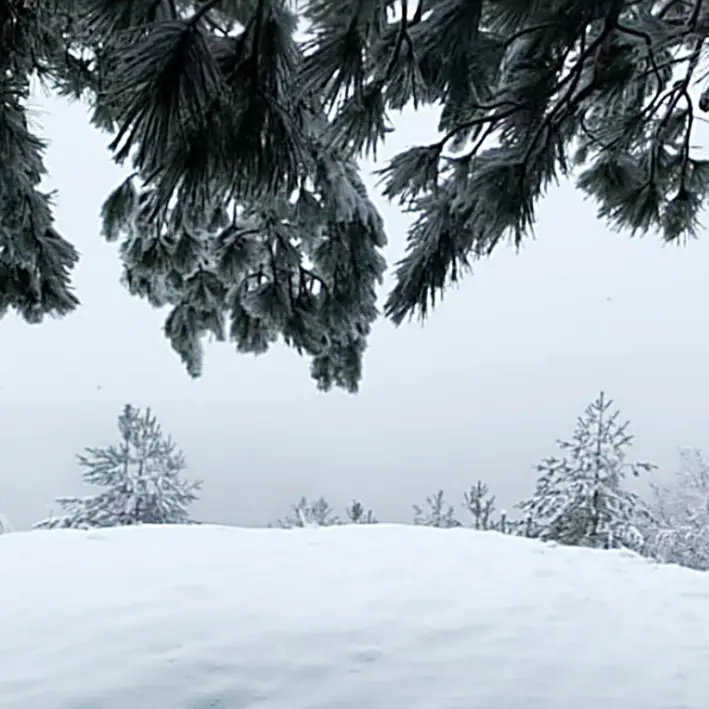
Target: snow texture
{"points": [[376, 616]]}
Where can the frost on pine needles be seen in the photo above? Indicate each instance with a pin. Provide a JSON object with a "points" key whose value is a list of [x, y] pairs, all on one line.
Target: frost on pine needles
{"points": [[580, 497], [245, 215], [142, 478]]}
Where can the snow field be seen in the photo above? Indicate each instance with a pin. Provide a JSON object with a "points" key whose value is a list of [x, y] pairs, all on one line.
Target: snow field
{"points": [[352, 617]]}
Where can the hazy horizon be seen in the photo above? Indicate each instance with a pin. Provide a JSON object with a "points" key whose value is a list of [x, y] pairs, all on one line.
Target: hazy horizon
{"points": [[501, 369]]}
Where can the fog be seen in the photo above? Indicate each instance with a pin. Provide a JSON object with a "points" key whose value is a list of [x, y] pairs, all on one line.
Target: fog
{"points": [[501, 370]]}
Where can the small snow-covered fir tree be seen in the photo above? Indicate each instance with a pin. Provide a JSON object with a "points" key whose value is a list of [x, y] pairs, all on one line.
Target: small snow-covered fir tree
{"points": [[481, 505], [142, 478], [580, 497], [436, 513], [679, 532], [357, 513], [5, 526], [310, 513]]}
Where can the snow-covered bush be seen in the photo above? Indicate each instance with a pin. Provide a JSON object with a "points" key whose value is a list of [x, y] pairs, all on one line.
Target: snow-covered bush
{"points": [[306, 513], [357, 513], [680, 506], [436, 513]]}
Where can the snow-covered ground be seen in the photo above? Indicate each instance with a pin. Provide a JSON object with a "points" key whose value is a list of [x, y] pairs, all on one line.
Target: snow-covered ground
{"points": [[368, 617]]}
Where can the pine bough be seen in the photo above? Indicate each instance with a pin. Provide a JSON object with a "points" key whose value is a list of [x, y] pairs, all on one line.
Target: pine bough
{"points": [[245, 213]]}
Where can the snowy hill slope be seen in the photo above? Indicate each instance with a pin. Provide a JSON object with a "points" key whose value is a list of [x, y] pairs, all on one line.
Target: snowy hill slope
{"points": [[370, 617]]}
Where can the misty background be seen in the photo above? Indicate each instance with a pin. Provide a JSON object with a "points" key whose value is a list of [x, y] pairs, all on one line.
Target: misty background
{"points": [[501, 369]]}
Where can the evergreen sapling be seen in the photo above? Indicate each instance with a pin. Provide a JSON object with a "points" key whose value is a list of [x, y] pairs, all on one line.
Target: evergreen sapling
{"points": [[481, 505], [142, 480], [307, 513], [580, 497], [436, 513], [358, 514]]}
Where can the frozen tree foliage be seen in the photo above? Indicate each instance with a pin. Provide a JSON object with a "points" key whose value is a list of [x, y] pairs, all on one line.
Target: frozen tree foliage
{"points": [[310, 513], [5, 526], [580, 497], [142, 478], [680, 530], [244, 213], [241, 214], [481, 505], [503, 524], [436, 513], [357, 513]]}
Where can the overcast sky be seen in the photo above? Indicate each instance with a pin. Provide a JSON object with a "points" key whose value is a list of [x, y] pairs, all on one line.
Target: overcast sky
{"points": [[483, 390]]}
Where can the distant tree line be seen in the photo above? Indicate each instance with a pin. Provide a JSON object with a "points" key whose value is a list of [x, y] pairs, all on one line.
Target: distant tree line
{"points": [[581, 496], [319, 513]]}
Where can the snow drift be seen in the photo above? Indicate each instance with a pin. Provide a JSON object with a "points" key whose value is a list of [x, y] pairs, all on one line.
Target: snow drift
{"points": [[375, 617]]}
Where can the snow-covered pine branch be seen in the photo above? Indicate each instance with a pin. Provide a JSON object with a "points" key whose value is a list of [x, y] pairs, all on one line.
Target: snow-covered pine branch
{"points": [[242, 121]]}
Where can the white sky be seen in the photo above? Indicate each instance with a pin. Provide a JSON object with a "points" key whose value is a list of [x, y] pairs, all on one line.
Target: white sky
{"points": [[501, 370]]}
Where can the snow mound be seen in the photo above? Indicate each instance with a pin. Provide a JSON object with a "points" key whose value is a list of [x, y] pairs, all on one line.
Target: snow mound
{"points": [[380, 617]]}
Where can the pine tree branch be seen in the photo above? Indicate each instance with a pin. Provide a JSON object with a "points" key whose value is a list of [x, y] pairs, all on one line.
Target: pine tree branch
{"points": [[565, 104], [530, 30], [402, 34], [203, 10], [681, 90], [648, 43], [694, 17]]}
